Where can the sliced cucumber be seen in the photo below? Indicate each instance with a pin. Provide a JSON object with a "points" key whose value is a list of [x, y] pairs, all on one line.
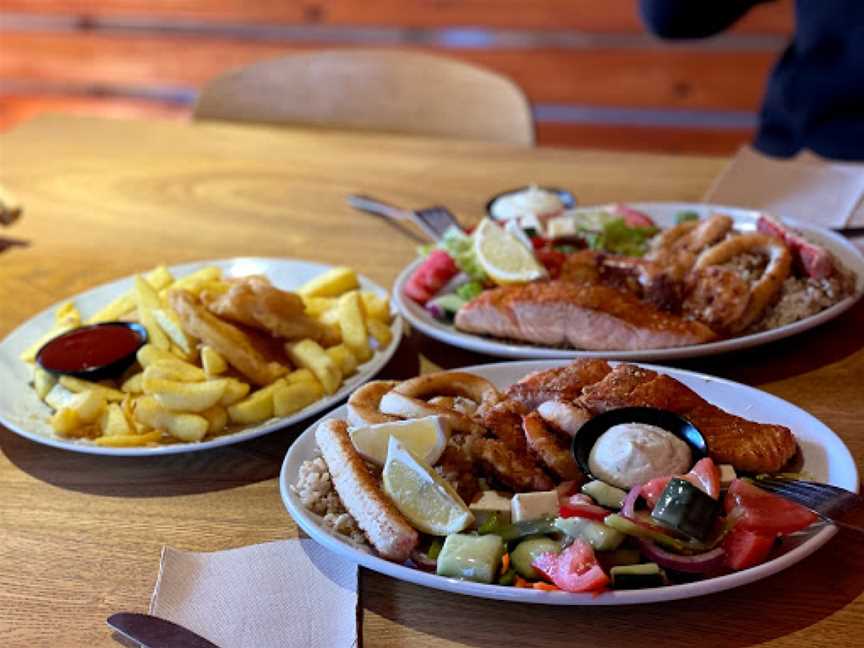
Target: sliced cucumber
{"points": [[621, 557], [604, 494], [598, 535], [637, 576], [526, 551], [686, 509], [471, 557], [527, 528], [628, 527], [449, 304]]}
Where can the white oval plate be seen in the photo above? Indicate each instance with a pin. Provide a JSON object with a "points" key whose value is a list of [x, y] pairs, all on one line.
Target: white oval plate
{"points": [[664, 215], [825, 457], [22, 412]]}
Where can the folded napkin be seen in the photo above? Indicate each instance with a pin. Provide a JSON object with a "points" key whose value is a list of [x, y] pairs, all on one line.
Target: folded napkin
{"points": [[806, 188], [279, 594]]}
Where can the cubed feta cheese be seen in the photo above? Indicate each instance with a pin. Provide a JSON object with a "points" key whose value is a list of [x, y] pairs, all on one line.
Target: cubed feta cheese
{"points": [[533, 506], [490, 503]]}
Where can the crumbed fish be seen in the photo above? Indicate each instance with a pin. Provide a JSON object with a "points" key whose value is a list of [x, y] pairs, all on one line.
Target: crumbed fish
{"points": [[747, 445]]}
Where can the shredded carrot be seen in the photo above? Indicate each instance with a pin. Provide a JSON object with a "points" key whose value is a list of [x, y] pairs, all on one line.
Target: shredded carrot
{"points": [[521, 582], [546, 587], [505, 562]]}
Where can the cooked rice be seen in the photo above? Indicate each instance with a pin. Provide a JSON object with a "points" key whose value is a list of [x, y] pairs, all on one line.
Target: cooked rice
{"points": [[802, 297], [316, 492]]}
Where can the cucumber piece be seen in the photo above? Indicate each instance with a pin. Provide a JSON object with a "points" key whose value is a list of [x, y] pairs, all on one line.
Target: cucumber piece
{"points": [[604, 494], [598, 535], [628, 527], [637, 576], [519, 530], [449, 303], [686, 509], [526, 551], [621, 557], [471, 557], [508, 577]]}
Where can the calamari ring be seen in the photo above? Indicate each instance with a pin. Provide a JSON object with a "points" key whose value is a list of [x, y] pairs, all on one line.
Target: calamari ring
{"points": [[398, 405], [765, 290], [677, 247], [449, 383], [567, 417], [363, 403]]}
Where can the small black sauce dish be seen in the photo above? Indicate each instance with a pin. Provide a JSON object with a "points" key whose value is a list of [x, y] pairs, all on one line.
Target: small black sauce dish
{"points": [[566, 198], [681, 427], [93, 352]]}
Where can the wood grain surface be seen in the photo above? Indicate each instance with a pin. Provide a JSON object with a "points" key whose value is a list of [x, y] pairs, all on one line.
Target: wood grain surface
{"points": [[80, 536], [619, 16]]}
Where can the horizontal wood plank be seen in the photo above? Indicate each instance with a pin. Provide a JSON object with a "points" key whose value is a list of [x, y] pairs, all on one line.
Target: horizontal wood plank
{"points": [[17, 109], [657, 77], [619, 16], [703, 141]]}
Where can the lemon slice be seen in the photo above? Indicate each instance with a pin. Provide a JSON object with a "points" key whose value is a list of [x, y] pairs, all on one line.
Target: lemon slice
{"points": [[424, 437], [430, 503], [503, 257]]}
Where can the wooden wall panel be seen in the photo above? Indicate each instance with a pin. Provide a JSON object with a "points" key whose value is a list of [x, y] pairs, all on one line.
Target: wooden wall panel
{"points": [[612, 16], [651, 78]]}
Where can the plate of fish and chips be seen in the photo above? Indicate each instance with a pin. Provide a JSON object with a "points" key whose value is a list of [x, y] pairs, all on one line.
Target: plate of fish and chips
{"points": [[336, 491], [233, 352], [663, 302]]}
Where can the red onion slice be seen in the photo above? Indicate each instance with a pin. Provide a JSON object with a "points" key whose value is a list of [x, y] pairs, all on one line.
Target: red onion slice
{"points": [[703, 563], [628, 509]]}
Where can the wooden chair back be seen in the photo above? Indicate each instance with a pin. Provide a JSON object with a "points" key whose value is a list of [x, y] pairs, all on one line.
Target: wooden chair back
{"points": [[381, 90]]}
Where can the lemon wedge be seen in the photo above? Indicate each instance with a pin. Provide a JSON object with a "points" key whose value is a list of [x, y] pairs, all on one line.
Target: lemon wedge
{"points": [[421, 495], [503, 257], [424, 437]]}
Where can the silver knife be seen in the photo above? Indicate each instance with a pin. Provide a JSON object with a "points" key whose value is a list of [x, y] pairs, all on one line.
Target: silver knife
{"points": [[153, 632]]}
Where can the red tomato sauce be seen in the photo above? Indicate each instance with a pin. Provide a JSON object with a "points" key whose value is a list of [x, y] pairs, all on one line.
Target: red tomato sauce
{"points": [[89, 347]]}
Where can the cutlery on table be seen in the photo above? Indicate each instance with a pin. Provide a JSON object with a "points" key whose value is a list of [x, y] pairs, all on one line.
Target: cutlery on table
{"points": [[433, 221], [153, 632], [832, 504]]}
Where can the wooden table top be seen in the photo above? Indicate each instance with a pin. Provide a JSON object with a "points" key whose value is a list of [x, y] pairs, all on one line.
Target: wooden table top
{"points": [[81, 535]]}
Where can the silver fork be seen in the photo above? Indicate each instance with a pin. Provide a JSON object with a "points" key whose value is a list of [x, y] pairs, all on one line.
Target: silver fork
{"points": [[832, 504], [433, 221]]}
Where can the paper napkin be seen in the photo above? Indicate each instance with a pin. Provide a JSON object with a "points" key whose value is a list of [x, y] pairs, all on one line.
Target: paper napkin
{"points": [[279, 594], [806, 188]]}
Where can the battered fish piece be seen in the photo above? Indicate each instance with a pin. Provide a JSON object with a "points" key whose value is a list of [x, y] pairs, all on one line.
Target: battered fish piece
{"points": [[552, 451], [518, 471], [582, 315], [385, 527], [747, 445], [229, 341], [255, 302], [559, 384]]}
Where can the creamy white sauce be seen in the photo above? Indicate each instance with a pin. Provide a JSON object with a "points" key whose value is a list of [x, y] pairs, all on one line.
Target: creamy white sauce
{"points": [[532, 201], [634, 453]]}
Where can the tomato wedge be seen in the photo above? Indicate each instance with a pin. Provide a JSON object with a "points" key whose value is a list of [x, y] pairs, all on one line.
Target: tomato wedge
{"points": [[762, 512], [430, 276], [704, 475], [573, 570], [743, 549], [590, 511]]}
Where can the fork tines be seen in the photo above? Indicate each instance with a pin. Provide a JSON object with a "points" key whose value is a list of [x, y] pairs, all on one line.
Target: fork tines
{"points": [[820, 498], [436, 220]]}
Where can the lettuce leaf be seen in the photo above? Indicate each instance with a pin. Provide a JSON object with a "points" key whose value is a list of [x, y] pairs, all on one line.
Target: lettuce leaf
{"points": [[460, 247], [618, 238]]}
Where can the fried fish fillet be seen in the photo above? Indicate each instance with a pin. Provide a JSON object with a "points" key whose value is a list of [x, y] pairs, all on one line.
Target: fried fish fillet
{"points": [[228, 341], [747, 445], [584, 315], [385, 527], [557, 384], [255, 302]]}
